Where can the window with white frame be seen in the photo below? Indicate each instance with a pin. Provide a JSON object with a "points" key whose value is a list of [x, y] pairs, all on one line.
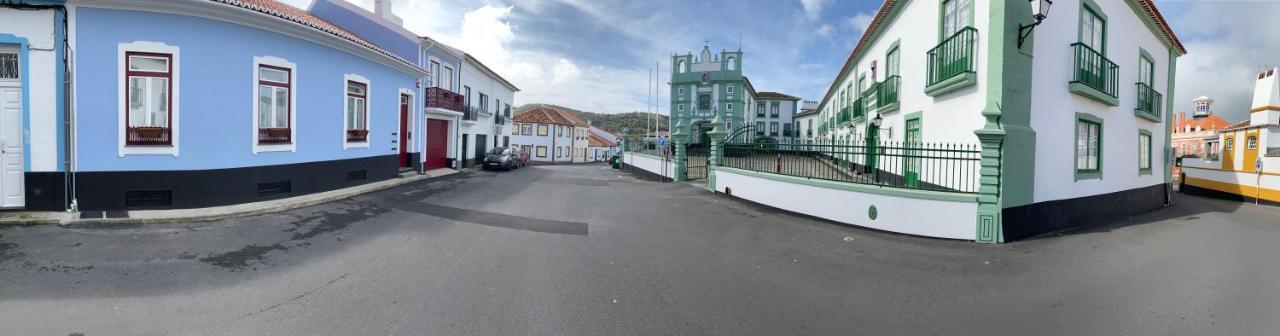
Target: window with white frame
{"points": [[728, 88], [357, 111], [515, 129], [728, 106], [680, 107], [275, 104]]}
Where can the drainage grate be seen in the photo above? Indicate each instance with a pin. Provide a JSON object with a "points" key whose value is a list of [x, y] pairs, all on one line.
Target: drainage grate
{"points": [[357, 175], [147, 198], [275, 188]]}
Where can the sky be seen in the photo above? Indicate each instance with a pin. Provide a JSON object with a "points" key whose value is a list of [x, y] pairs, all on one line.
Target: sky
{"points": [[595, 55]]}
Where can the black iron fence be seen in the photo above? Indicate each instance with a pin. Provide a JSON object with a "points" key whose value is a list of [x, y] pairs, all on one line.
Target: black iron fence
{"points": [[921, 166]]}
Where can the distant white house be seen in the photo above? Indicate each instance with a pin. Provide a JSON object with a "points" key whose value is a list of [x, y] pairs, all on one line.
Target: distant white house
{"points": [[551, 134]]}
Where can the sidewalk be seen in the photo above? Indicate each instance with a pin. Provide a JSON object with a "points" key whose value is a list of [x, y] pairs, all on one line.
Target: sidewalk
{"points": [[210, 213]]}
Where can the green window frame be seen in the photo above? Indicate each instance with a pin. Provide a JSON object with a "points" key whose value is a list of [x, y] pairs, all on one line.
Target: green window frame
{"points": [[1144, 152], [1093, 26], [1087, 147], [954, 15], [1146, 68]]}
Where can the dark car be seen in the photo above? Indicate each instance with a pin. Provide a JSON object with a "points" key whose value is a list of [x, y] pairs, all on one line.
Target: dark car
{"points": [[504, 158]]}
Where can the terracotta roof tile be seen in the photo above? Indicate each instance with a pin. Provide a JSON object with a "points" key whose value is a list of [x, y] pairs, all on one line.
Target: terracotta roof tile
{"points": [[542, 114], [775, 95], [597, 141]]}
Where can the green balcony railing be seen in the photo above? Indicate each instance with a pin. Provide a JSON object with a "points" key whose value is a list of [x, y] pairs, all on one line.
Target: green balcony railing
{"points": [[843, 116], [1149, 100], [953, 57], [859, 109], [1094, 70], [887, 91]]}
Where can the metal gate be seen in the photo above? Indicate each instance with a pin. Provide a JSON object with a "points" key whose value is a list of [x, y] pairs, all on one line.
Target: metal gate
{"points": [[697, 159]]}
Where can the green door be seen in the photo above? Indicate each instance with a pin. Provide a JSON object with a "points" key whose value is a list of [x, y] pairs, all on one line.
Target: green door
{"points": [[873, 147], [911, 159]]}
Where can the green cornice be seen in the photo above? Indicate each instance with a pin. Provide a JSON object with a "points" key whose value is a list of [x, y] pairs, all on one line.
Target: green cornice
{"points": [[1168, 117]]}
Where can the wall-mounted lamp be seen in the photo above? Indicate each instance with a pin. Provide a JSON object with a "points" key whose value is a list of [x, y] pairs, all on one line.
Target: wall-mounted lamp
{"points": [[877, 121], [1040, 8]]}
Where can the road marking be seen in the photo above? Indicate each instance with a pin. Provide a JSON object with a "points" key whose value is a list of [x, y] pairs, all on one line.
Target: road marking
{"points": [[497, 219]]}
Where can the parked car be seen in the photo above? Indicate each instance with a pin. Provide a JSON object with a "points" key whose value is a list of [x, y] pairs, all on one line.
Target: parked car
{"points": [[504, 158]]}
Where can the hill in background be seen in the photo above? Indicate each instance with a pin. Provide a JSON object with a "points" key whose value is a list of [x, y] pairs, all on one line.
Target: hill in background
{"points": [[613, 122]]}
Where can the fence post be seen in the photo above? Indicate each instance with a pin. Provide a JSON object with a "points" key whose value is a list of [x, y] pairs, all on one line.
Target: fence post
{"points": [[682, 162], [716, 134]]}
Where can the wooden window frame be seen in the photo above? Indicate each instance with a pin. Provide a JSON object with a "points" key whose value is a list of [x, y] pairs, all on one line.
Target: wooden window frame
{"points": [[167, 129], [356, 135], [288, 121]]}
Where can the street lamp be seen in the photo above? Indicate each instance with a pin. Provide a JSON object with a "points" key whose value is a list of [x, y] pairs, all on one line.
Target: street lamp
{"points": [[878, 121], [1040, 11]]}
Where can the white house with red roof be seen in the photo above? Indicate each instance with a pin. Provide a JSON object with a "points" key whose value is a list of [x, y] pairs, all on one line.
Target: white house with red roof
{"points": [[551, 134]]}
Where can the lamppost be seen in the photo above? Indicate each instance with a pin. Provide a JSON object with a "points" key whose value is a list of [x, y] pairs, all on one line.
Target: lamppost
{"points": [[1040, 11]]}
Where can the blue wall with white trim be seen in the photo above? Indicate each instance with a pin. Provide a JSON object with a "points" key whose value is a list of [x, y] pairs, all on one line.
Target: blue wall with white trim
{"points": [[216, 91]]}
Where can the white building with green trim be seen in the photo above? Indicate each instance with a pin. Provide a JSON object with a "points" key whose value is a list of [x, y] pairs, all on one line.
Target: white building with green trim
{"points": [[1065, 119]]}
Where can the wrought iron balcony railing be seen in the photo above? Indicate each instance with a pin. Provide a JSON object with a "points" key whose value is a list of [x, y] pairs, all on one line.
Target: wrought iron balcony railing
{"points": [[1094, 70], [953, 57]]}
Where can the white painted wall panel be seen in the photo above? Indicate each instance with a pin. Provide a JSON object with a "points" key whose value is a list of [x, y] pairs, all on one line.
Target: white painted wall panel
{"points": [[37, 27], [944, 219]]}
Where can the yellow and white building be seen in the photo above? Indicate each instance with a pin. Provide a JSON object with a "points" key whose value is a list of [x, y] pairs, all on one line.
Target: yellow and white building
{"points": [[1249, 165]]}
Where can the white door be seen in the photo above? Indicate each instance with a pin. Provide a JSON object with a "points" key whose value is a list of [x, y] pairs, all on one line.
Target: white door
{"points": [[11, 174]]}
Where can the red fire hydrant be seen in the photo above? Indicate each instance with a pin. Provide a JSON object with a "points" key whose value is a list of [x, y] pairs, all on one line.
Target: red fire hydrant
{"points": [[779, 169]]}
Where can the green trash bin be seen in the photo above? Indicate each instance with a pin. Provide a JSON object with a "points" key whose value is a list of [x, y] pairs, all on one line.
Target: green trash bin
{"points": [[616, 161]]}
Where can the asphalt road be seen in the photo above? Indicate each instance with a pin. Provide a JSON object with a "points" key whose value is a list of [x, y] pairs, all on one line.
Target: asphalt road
{"points": [[584, 250]]}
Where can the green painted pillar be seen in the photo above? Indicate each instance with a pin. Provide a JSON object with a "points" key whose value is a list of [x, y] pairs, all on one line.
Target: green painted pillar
{"points": [[682, 158], [717, 134]]}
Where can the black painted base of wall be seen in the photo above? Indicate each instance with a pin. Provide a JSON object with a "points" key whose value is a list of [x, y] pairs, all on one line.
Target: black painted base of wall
{"points": [[205, 188], [1033, 219], [645, 174], [45, 191], [1198, 191]]}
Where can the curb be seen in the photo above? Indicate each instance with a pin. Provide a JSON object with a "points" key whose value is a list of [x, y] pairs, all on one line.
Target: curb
{"points": [[220, 212]]}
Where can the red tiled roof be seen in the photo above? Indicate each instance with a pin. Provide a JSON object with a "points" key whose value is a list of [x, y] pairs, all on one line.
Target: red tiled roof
{"points": [[542, 114], [1209, 123], [300, 16], [775, 95], [596, 141]]}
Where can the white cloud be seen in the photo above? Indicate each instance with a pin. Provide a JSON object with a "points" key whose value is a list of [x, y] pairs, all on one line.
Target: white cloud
{"points": [[859, 22], [826, 31], [564, 71], [813, 8], [1226, 49]]}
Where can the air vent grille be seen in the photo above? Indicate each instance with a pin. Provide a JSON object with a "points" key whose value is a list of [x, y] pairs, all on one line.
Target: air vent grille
{"points": [[148, 198], [275, 188]]}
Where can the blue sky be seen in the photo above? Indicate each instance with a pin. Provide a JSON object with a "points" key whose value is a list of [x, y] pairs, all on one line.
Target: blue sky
{"points": [[594, 54]]}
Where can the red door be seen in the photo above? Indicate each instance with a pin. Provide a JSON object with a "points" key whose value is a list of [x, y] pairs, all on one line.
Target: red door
{"points": [[404, 131], [437, 143]]}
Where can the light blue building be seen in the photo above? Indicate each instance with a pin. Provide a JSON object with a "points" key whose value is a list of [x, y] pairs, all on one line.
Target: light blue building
{"points": [[194, 103]]}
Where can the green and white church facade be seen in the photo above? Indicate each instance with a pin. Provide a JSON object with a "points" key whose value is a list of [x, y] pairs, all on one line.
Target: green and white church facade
{"points": [[707, 85]]}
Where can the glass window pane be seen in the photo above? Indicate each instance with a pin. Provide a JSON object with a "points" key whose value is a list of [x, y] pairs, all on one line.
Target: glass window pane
{"points": [[351, 108], [355, 88], [159, 102], [264, 106], [359, 114], [137, 101], [273, 75], [143, 63], [282, 107], [9, 65]]}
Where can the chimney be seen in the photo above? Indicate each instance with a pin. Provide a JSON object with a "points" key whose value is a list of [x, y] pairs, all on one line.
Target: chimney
{"points": [[382, 8], [1266, 99]]}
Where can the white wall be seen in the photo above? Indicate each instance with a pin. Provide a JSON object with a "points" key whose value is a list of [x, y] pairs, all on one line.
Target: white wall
{"points": [[649, 163], [1054, 106], [481, 82], [944, 219], [949, 118], [37, 27]]}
